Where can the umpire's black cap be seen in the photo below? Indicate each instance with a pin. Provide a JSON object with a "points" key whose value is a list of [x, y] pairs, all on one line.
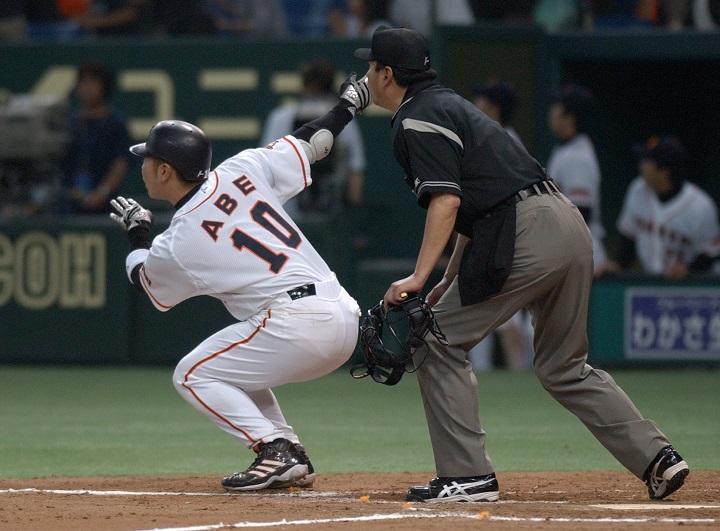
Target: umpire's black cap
{"points": [[398, 47], [666, 151]]}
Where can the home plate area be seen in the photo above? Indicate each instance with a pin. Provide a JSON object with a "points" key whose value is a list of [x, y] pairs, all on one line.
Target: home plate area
{"points": [[539, 500]]}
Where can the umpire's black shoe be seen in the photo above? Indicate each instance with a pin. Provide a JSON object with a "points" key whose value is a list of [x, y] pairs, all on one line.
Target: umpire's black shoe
{"points": [[277, 465], [666, 473], [469, 489]]}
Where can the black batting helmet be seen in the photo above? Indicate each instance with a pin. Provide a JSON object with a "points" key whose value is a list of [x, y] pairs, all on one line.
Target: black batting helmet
{"points": [[181, 144]]}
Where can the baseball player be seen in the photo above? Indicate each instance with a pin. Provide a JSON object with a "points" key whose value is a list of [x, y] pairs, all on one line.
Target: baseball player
{"points": [[521, 244], [668, 223], [573, 163], [231, 239]]}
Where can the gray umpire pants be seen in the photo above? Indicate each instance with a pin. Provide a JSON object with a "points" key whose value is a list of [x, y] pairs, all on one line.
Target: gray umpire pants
{"points": [[552, 277]]}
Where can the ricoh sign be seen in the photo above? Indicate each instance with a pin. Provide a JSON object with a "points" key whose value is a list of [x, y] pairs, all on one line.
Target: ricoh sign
{"points": [[39, 270]]}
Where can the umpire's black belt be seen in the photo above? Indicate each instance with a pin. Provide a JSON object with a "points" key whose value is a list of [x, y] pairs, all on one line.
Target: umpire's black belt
{"points": [[543, 187], [302, 291]]}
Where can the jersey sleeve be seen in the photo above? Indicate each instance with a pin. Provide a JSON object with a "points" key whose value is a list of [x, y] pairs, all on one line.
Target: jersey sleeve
{"points": [[163, 278], [430, 155], [288, 169]]}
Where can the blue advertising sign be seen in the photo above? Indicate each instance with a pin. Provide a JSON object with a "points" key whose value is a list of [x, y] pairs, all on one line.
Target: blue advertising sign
{"points": [[672, 323]]}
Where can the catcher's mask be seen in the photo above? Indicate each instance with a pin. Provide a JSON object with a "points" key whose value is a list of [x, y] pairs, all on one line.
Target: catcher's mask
{"points": [[390, 339]]}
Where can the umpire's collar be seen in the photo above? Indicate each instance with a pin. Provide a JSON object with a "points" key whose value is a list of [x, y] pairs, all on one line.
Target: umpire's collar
{"points": [[410, 93]]}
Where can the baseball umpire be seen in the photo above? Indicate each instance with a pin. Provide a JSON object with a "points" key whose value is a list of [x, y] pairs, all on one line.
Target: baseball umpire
{"points": [[231, 239], [521, 243]]}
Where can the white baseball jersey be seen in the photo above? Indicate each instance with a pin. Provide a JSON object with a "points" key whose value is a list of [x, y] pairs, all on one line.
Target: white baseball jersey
{"points": [[574, 166], [677, 230], [233, 240]]}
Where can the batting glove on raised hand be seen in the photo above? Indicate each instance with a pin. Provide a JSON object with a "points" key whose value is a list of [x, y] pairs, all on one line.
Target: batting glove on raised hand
{"points": [[130, 213], [356, 92]]}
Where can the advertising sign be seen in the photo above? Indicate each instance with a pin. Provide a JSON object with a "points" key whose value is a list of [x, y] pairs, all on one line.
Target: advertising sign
{"points": [[672, 323]]}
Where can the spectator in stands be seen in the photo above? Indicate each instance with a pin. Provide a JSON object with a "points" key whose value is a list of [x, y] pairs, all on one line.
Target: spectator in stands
{"points": [[362, 19], [419, 14], [507, 11], [557, 15], [573, 163], [705, 14], [338, 178], [248, 18], [45, 20], [309, 18], [670, 14], [117, 17], [669, 224], [181, 18], [497, 98], [97, 156], [13, 25]]}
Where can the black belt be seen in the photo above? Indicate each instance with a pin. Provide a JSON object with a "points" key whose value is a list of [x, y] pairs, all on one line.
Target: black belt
{"points": [[302, 291], [543, 187]]}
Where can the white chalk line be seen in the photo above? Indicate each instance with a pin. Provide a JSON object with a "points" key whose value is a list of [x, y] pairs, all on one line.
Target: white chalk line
{"points": [[650, 506], [333, 496], [410, 515], [412, 512]]}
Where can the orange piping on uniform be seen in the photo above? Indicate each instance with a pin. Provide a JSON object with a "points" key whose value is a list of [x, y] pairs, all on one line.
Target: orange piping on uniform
{"points": [[187, 375], [302, 164], [146, 287]]}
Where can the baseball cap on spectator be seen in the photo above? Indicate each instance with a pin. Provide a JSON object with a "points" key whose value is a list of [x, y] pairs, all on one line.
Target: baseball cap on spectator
{"points": [[666, 151], [576, 99], [499, 92], [398, 47]]}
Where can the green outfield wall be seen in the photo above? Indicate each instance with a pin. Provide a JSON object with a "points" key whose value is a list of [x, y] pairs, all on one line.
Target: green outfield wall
{"points": [[63, 292], [65, 298]]}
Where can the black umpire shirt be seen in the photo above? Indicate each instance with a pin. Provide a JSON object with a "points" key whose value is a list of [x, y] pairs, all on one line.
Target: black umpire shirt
{"points": [[446, 144]]}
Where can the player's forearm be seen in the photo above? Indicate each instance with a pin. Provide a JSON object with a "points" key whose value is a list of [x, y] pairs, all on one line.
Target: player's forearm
{"points": [[140, 241], [439, 226], [334, 121]]}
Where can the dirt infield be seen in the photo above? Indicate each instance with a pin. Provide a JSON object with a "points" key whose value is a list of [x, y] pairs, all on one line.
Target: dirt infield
{"points": [[568, 501]]}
